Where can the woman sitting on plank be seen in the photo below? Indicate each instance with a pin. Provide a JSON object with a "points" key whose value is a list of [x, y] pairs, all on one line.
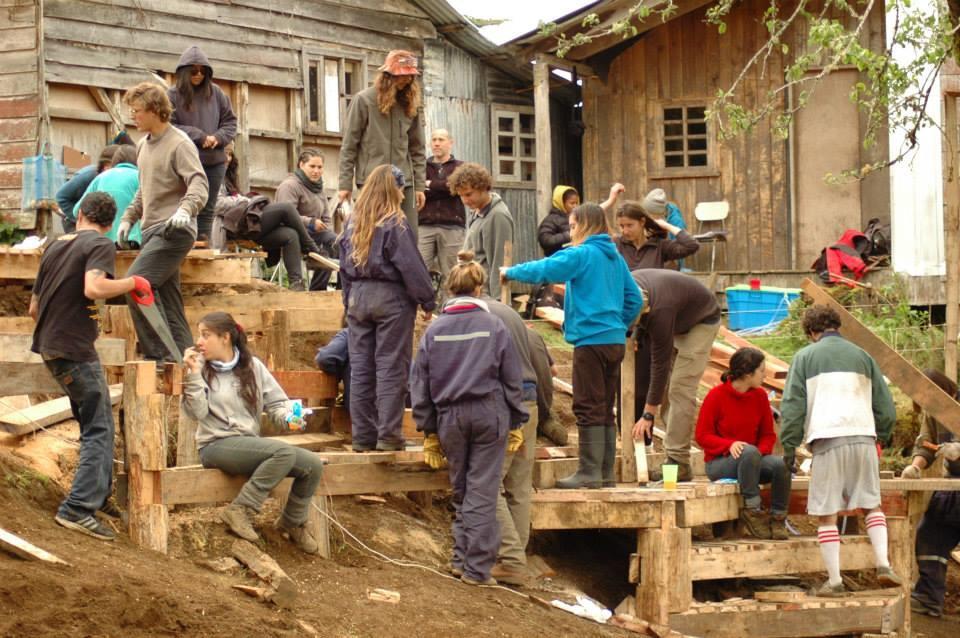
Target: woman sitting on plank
{"points": [[735, 430], [225, 390]]}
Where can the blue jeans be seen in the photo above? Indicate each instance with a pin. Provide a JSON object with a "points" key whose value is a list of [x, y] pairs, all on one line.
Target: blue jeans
{"points": [[752, 469], [86, 386]]}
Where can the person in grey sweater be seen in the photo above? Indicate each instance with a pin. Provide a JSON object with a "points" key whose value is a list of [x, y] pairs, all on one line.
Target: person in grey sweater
{"points": [[226, 389], [203, 111]]}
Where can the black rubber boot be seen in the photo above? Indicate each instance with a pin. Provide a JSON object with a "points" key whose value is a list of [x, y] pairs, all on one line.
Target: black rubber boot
{"points": [[592, 441], [608, 472]]}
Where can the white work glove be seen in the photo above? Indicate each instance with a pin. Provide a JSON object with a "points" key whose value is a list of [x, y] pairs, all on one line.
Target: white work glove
{"points": [[123, 234], [180, 219], [910, 472], [951, 451]]}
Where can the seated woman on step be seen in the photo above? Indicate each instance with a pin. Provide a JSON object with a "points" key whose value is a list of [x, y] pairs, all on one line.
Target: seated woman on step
{"points": [[735, 430], [225, 390]]}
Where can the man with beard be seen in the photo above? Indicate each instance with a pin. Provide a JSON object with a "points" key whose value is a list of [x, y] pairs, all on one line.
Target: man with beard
{"points": [[385, 126]]}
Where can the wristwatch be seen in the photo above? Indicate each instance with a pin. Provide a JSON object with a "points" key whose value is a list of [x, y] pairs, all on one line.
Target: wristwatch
{"points": [[648, 416]]}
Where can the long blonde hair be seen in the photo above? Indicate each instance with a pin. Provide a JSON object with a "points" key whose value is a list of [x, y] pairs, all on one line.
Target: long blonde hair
{"points": [[591, 220], [378, 202]]}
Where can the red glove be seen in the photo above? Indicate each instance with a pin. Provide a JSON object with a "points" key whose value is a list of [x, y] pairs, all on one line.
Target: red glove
{"points": [[142, 292], [879, 450]]}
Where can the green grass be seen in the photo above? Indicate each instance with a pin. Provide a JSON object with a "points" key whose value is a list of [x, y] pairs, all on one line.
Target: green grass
{"points": [[552, 336]]}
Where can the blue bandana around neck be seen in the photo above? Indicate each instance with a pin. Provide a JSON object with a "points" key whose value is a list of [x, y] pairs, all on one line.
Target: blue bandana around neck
{"points": [[226, 366]]}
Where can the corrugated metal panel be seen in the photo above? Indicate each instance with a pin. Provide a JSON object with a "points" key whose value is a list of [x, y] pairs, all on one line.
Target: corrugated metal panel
{"points": [[522, 203], [468, 123]]}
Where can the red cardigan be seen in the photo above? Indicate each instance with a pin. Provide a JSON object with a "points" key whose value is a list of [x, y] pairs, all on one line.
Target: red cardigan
{"points": [[727, 416]]}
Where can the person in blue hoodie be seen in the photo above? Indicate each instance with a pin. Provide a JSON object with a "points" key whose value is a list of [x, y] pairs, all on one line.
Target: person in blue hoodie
{"points": [[467, 396], [384, 280], [601, 301], [70, 194], [121, 182]]}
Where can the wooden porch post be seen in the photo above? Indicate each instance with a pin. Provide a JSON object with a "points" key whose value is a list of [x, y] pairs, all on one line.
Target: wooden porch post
{"points": [[541, 105], [951, 232]]}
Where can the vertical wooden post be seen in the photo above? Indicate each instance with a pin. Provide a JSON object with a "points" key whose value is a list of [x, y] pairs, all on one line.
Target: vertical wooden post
{"points": [[665, 584], [146, 453], [900, 536], [276, 339], [541, 108], [242, 141], [951, 232], [187, 453], [628, 414]]}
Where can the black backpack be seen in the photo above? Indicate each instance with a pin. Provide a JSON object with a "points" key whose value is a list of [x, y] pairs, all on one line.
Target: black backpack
{"points": [[878, 235]]}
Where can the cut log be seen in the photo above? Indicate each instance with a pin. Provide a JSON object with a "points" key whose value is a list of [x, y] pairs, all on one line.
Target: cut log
{"points": [[47, 413], [261, 593], [553, 316], [268, 571], [562, 386], [17, 546]]}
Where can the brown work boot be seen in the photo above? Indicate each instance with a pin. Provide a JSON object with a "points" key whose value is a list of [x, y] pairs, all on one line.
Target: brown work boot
{"points": [[300, 535], [555, 431], [237, 520], [756, 521], [888, 578], [516, 576], [778, 527], [470, 581], [684, 473]]}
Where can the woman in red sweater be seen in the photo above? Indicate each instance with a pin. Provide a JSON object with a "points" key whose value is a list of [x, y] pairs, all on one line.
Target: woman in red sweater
{"points": [[735, 430]]}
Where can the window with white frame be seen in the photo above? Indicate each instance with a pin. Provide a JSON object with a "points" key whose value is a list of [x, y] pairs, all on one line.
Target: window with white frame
{"points": [[514, 145], [331, 79]]}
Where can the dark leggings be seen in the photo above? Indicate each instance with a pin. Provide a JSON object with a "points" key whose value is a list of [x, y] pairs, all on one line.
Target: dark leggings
{"points": [[282, 230]]}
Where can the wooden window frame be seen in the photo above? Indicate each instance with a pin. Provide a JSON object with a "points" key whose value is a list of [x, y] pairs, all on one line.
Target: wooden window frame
{"points": [[660, 169], [310, 56], [513, 180]]}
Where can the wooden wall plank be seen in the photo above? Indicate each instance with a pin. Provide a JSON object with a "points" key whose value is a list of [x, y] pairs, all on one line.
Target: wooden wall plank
{"points": [[19, 39]]}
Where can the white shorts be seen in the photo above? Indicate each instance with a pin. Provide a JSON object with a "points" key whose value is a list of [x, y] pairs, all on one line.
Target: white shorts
{"points": [[844, 478]]}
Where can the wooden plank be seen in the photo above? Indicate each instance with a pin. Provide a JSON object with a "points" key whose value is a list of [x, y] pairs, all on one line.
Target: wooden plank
{"points": [[106, 105], [544, 136], [27, 378], [901, 372], [21, 325], [276, 339], [706, 510], [45, 414], [17, 546], [594, 515], [15, 348], [951, 234], [628, 417], [307, 384], [311, 441], [308, 311], [267, 570]]}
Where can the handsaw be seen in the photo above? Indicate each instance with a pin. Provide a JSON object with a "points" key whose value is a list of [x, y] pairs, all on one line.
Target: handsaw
{"points": [[159, 325]]}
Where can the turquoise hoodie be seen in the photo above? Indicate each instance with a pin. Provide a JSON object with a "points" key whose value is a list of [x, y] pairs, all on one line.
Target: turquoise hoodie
{"points": [[121, 183], [601, 300]]}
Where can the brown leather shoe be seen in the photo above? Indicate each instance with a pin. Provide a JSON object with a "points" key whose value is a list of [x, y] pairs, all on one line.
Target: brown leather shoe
{"points": [[238, 521], [778, 527], [757, 522], [516, 576], [470, 581], [300, 535]]}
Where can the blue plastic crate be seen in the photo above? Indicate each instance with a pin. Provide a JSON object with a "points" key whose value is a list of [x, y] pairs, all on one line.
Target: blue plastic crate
{"points": [[763, 308]]}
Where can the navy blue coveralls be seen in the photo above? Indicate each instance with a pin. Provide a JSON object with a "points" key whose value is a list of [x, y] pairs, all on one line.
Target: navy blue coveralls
{"points": [[466, 386], [381, 300]]}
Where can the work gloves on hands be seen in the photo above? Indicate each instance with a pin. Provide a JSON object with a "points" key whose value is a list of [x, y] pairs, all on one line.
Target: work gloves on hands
{"points": [[514, 440], [951, 451], [432, 452], [142, 292], [180, 219], [910, 472], [123, 234]]}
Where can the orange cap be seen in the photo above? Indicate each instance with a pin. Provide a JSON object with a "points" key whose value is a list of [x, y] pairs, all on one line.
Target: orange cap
{"points": [[400, 63]]}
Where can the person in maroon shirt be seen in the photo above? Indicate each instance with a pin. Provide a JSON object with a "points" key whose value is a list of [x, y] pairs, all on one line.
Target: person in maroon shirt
{"points": [[735, 430]]}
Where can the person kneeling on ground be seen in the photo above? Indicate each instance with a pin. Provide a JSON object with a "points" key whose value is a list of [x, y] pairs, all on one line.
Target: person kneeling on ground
{"points": [[735, 430], [835, 400], [225, 390], [467, 395]]}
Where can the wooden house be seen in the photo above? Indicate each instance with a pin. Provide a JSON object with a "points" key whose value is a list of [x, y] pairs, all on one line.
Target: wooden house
{"points": [[644, 101], [290, 68]]}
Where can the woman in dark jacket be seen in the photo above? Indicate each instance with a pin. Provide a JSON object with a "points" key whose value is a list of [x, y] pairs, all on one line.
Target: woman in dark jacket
{"points": [[643, 241], [554, 231], [203, 111]]}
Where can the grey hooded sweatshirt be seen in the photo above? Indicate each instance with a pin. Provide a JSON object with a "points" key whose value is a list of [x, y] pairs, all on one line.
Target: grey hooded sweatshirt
{"points": [[488, 230], [211, 116]]}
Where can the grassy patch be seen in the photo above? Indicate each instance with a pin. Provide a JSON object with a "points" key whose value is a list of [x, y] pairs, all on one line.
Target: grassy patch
{"points": [[552, 336]]}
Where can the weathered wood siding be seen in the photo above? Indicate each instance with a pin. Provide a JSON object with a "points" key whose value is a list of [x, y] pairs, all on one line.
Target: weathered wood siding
{"points": [[686, 61], [19, 97]]}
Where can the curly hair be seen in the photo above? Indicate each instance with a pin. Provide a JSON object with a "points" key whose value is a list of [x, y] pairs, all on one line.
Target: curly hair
{"points": [[819, 319], [99, 208], [152, 97], [469, 176], [388, 95]]}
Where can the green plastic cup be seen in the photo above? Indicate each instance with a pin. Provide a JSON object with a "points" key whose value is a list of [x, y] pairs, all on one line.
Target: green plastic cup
{"points": [[670, 476]]}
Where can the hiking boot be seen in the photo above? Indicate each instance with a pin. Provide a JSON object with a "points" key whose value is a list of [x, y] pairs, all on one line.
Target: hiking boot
{"points": [[390, 446], [516, 576], [297, 285], [684, 473], [778, 527], [110, 509], [609, 476], [924, 605], [300, 535], [237, 521], [470, 581], [360, 447], [588, 475], [88, 525], [757, 522], [888, 578], [555, 431], [456, 571], [826, 590]]}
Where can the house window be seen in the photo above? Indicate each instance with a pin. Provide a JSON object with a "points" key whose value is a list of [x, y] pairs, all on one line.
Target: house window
{"points": [[514, 145], [331, 80], [685, 137]]}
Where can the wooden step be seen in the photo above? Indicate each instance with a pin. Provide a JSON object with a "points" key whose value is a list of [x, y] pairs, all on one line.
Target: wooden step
{"points": [[310, 441], [879, 612]]}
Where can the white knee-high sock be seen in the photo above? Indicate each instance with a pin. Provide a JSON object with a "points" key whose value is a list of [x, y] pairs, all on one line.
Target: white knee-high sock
{"points": [[877, 531], [829, 538]]}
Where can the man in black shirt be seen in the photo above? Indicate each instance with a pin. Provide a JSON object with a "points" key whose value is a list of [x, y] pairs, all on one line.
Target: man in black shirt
{"points": [[76, 269]]}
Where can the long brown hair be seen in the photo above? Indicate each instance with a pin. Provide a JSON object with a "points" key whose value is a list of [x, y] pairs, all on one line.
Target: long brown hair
{"points": [[188, 91], [743, 363], [409, 98], [591, 220], [378, 202], [222, 323]]}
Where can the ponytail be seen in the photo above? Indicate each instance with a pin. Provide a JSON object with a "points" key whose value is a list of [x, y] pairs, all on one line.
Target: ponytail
{"points": [[222, 323]]}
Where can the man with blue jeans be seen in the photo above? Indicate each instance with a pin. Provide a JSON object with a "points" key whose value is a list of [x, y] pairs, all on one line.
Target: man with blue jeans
{"points": [[75, 270]]}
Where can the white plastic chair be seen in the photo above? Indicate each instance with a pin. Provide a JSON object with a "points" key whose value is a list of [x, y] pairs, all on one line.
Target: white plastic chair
{"points": [[712, 212]]}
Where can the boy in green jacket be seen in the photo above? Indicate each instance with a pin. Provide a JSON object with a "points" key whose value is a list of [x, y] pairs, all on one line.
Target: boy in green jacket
{"points": [[837, 402]]}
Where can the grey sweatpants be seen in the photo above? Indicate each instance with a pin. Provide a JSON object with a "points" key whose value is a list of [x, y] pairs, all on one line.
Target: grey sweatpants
{"points": [[513, 502], [267, 462]]}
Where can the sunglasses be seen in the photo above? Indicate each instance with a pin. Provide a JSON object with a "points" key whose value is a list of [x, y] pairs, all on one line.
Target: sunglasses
{"points": [[196, 72]]}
